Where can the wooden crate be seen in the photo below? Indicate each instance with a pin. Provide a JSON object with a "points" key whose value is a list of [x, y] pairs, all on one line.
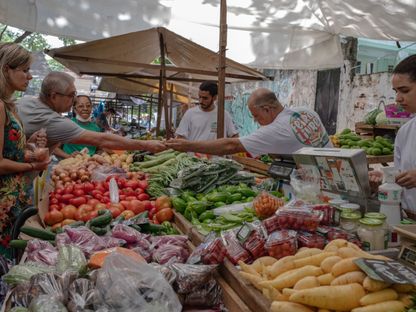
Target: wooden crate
{"points": [[255, 300], [253, 165], [366, 130]]}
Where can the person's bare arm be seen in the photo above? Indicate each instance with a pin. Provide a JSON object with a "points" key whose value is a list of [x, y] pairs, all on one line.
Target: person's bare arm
{"points": [[116, 142], [178, 136], [226, 146], [58, 151]]}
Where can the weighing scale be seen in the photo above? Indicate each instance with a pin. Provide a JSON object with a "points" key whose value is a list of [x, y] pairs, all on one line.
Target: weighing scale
{"points": [[282, 167], [342, 171], [407, 234]]}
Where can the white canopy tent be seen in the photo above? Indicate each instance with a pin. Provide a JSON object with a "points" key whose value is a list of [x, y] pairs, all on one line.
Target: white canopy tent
{"points": [[285, 34]]}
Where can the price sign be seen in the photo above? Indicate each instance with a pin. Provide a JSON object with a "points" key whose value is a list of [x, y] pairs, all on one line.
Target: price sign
{"points": [[408, 254], [388, 271]]}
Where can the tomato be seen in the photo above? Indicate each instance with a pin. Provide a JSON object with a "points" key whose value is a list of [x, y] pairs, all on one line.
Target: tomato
{"points": [[152, 212], [165, 214], [53, 201], [130, 198], [139, 191], [67, 197], [58, 197], [100, 189], [93, 202], [143, 196], [118, 206], [129, 191], [92, 214], [54, 207], [79, 192], [122, 197], [53, 217], [106, 194], [137, 206], [121, 183], [126, 204], [78, 201], [115, 212], [147, 204], [143, 184], [105, 200], [162, 202], [99, 197], [78, 187], [69, 211], [59, 191], [68, 189], [155, 220], [83, 212], [96, 192], [88, 187], [133, 184], [100, 206], [127, 214]]}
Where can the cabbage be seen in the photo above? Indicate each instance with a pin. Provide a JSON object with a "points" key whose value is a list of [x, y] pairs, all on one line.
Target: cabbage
{"points": [[381, 119]]}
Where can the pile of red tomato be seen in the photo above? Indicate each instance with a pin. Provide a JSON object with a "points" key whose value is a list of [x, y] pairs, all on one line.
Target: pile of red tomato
{"points": [[82, 201]]}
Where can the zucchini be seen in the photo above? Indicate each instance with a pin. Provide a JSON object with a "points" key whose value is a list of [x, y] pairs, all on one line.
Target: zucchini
{"points": [[38, 233], [104, 218], [18, 243]]}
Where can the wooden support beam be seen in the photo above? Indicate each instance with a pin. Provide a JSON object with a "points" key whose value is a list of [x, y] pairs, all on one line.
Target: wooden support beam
{"points": [[221, 69]]}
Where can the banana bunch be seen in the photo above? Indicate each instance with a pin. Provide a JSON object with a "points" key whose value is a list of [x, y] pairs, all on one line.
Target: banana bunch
{"points": [[335, 140]]}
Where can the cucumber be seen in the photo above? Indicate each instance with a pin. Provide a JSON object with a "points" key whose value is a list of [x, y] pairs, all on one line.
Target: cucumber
{"points": [[100, 230], [104, 218], [76, 224], [38, 233], [18, 243]]}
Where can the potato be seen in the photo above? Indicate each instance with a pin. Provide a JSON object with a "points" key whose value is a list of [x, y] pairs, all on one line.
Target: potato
{"points": [[342, 298], [291, 278], [349, 278], [307, 282], [313, 260], [390, 306], [344, 266], [325, 279], [379, 296], [284, 306], [328, 263], [374, 285]]}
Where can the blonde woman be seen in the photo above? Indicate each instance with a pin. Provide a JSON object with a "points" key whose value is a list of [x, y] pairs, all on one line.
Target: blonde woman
{"points": [[14, 183]]}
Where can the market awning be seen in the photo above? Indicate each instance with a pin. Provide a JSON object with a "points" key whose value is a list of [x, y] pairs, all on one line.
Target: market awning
{"points": [[298, 34]]}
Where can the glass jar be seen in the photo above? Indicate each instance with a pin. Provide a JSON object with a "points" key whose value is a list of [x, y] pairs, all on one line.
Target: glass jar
{"points": [[383, 218], [336, 203], [371, 233], [349, 221]]}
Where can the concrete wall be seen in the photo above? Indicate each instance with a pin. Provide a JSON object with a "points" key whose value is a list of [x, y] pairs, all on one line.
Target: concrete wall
{"points": [[298, 89]]}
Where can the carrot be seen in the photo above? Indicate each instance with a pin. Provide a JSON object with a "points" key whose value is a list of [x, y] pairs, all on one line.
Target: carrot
{"points": [[349, 278], [313, 260], [344, 266], [340, 298], [325, 279], [328, 263], [379, 296], [284, 306], [307, 282], [289, 279], [97, 258], [390, 306], [374, 285]]}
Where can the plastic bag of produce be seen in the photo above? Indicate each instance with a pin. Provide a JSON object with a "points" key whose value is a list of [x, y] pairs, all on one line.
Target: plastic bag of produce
{"points": [[4, 288], [19, 309], [167, 254], [125, 285], [4, 265], [178, 240], [206, 296], [47, 303], [20, 295], [81, 295], [190, 277], [211, 251], [72, 259], [46, 284], [306, 184], [101, 173], [23, 272], [41, 251], [166, 271], [128, 234], [81, 237], [265, 204]]}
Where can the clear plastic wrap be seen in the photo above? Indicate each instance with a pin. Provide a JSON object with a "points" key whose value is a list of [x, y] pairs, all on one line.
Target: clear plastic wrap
{"points": [[235, 251], [46, 284], [271, 224], [23, 272], [306, 184], [311, 240], [327, 213], [41, 251], [166, 271], [20, 295], [71, 259], [299, 219], [46, 303], [281, 244], [125, 285], [80, 295], [128, 234], [4, 288], [36, 154], [206, 296], [211, 251], [265, 204], [178, 240], [101, 173], [190, 277]]}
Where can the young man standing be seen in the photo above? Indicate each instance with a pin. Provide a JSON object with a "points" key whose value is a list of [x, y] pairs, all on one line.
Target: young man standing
{"points": [[200, 123]]}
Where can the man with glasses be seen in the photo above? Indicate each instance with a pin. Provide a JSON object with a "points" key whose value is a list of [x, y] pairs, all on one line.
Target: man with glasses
{"points": [[282, 131], [56, 97]]}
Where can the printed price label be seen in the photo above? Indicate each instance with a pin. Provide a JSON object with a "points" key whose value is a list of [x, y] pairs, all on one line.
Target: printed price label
{"points": [[387, 271]]}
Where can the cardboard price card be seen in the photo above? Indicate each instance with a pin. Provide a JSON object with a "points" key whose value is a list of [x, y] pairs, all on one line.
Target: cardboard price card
{"points": [[387, 271]]}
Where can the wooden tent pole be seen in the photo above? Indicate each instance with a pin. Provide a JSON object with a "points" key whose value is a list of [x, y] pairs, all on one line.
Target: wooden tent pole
{"points": [[150, 112], [162, 85], [221, 69], [171, 109]]}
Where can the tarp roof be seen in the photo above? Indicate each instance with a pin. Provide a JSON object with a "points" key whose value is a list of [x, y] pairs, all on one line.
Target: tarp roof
{"points": [[291, 34]]}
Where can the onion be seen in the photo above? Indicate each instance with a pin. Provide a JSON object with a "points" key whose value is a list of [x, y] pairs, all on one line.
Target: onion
{"points": [[63, 175]]}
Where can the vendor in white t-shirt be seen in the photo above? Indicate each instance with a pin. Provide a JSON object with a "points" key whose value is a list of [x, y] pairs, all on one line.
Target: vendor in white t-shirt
{"points": [[200, 123], [282, 131]]}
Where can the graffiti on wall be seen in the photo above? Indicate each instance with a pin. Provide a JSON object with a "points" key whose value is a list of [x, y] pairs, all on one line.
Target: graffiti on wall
{"points": [[292, 88]]}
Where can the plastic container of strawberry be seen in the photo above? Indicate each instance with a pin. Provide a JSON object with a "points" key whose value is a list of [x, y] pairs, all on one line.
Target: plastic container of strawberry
{"points": [[327, 212], [215, 252], [255, 245], [282, 243], [310, 240], [337, 233], [234, 251], [299, 219], [271, 224]]}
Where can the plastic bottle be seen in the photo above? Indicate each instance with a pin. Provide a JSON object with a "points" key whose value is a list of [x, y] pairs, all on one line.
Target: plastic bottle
{"points": [[389, 195]]}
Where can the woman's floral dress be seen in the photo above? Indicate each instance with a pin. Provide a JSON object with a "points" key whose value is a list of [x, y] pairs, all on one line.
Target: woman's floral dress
{"points": [[14, 188]]}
